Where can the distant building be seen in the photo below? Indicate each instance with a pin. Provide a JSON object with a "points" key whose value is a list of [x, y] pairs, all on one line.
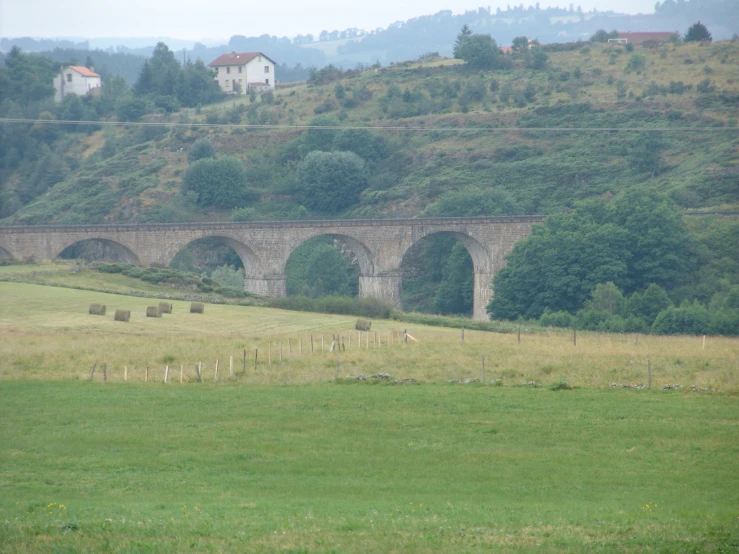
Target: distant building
{"points": [[76, 79], [642, 38], [245, 72]]}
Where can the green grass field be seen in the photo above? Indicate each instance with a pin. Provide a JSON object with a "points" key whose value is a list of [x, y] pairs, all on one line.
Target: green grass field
{"points": [[285, 459], [356, 468]]}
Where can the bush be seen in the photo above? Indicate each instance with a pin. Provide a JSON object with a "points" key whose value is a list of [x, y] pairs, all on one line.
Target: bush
{"points": [[688, 319], [220, 183], [366, 307], [331, 181], [201, 149]]}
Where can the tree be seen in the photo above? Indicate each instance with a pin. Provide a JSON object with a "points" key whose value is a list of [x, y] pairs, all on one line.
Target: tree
{"points": [[331, 181], [520, 44], [463, 35], [480, 52], [634, 240], [602, 35], [220, 183], [201, 149], [697, 32]]}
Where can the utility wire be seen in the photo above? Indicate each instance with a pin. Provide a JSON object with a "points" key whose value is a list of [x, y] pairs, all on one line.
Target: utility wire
{"points": [[379, 127]]}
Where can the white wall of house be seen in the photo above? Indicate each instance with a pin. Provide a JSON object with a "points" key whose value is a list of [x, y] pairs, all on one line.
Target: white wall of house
{"points": [[74, 83], [257, 74]]}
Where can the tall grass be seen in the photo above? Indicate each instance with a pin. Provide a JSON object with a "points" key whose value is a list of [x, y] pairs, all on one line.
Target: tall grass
{"points": [[46, 333]]}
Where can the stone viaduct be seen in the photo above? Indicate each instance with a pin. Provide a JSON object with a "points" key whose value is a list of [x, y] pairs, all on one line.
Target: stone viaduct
{"points": [[264, 247]]}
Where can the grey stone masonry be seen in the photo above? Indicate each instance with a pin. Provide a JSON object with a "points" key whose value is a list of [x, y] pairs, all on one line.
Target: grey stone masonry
{"points": [[264, 247]]}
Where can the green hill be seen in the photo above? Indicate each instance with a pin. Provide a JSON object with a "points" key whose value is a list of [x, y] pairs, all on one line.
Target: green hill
{"points": [[440, 139]]}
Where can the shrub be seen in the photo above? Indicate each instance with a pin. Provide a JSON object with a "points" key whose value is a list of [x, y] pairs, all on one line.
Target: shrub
{"points": [[220, 183], [331, 181], [201, 149]]}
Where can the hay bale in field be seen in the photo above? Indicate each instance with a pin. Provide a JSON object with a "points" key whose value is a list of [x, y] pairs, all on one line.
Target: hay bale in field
{"points": [[166, 307], [153, 311], [97, 309], [363, 325], [197, 308], [122, 315]]}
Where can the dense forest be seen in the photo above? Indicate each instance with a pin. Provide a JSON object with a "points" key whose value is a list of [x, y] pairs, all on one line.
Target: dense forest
{"points": [[617, 252]]}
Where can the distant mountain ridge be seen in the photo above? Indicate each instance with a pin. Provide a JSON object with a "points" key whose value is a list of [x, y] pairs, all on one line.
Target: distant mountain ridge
{"points": [[405, 40]]}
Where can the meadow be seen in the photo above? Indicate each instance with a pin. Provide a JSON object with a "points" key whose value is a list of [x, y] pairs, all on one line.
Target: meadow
{"points": [[286, 458]]}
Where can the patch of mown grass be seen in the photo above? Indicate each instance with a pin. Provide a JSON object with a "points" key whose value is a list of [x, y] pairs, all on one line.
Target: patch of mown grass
{"points": [[87, 467]]}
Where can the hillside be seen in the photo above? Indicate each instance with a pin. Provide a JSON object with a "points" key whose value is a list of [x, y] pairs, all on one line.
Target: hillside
{"points": [[442, 144]]}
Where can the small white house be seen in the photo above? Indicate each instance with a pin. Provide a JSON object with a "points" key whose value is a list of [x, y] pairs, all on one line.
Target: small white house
{"points": [[244, 72], [76, 79]]}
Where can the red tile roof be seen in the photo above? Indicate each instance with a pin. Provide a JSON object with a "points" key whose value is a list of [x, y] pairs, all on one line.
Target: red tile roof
{"points": [[82, 70], [639, 38], [236, 58]]}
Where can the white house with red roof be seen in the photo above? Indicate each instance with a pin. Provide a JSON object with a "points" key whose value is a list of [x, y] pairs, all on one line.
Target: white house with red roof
{"points": [[76, 79], [241, 73]]}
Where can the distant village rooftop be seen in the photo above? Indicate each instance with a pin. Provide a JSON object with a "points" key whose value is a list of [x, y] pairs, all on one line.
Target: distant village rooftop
{"points": [[642, 37], [82, 70]]}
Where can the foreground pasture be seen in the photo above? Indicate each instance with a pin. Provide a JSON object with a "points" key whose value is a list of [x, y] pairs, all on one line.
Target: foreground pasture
{"points": [[46, 333], [356, 468]]}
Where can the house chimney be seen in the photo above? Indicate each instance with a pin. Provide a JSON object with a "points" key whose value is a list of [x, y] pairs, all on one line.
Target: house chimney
{"points": [[92, 68]]}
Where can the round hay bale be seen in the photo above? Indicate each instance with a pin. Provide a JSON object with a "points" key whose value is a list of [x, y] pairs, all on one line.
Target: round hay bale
{"points": [[363, 325], [153, 311], [166, 307], [97, 309], [122, 315], [197, 308]]}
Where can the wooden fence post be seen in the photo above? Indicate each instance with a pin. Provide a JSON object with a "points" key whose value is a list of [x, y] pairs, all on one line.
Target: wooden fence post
{"points": [[244, 361], [574, 337], [166, 374], [105, 373], [649, 372], [93, 370], [125, 374], [230, 366], [461, 340], [182, 372], [216, 373], [483, 370], [311, 344], [519, 334], [256, 357], [199, 370], [146, 377], [289, 346], [269, 354]]}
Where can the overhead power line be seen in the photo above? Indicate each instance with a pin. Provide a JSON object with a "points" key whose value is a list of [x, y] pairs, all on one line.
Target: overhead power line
{"points": [[378, 127]]}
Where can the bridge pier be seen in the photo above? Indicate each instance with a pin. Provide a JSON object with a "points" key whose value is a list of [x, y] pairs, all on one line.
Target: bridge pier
{"points": [[386, 287], [268, 285], [481, 296]]}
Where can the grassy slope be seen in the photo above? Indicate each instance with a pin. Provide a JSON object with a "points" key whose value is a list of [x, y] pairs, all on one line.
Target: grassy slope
{"points": [[331, 468], [699, 168]]}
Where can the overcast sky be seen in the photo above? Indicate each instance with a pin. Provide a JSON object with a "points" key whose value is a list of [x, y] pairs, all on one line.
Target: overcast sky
{"points": [[220, 19]]}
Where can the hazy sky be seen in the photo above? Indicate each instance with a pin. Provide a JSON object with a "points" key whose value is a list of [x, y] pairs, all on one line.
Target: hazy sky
{"points": [[197, 19]]}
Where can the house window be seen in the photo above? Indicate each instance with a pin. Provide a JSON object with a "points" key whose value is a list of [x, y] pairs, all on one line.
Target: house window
{"points": [[228, 71], [69, 77], [266, 69], [226, 85], [240, 69], [266, 81]]}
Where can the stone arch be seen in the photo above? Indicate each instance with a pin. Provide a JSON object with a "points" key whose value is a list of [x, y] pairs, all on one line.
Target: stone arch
{"points": [[482, 267], [250, 261], [365, 258], [481, 259], [124, 253]]}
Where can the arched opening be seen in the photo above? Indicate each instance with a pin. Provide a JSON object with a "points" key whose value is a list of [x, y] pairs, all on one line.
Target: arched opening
{"points": [[93, 250], [4, 254], [222, 259], [438, 274], [327, 265]]}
